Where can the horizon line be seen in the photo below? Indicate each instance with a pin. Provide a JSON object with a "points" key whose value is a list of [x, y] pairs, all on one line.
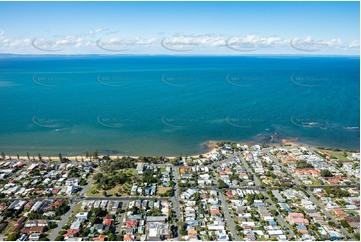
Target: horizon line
{"points": [[181, 55]]}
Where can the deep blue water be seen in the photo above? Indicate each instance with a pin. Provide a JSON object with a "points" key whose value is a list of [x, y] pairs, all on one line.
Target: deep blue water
{"points": [[161, 105]]}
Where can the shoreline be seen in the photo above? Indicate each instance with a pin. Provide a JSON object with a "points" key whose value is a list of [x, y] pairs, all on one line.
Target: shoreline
{"points": [[211, 146]]}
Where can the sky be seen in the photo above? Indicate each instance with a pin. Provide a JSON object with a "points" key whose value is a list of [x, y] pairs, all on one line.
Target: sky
{"points": [[175, 28]]}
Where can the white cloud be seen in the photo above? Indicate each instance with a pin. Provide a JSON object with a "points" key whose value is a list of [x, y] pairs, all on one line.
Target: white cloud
{"points": [[87, 43], [354, 44], [96, 31]]}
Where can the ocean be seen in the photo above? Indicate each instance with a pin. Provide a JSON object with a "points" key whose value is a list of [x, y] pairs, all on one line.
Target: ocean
{"points": [[172, 105]]}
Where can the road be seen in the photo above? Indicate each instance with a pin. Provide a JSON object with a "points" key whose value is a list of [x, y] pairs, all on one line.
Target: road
{"points": [[87, 186], [175, 199], [312, 198], [63, 219], [279, 218], [121, 217], [325, 212], [230, 222]]}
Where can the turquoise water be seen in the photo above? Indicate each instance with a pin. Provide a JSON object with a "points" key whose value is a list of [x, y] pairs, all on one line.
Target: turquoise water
{"points": [[161, 105]]}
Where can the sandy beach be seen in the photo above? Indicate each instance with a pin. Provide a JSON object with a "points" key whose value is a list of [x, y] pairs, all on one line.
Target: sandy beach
{"points": [[210, 145]]}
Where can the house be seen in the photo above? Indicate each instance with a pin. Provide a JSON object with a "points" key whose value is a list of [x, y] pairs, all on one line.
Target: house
{"points": [[34, 237], [336, 179], [192, 234], [36, 207], [71, 233], [140, 168], [222, 235], [57, 203], [76, 224], [335, 235], [28, 205], [340, 214], [100, 238], [278, 196], [128, 237], [108, 220], [82, 215], [2, 206], [297, 218], [70, 190], [99, 228], [307, 171], [302, 229], [34, 229], [131, 223], [158, 219]]}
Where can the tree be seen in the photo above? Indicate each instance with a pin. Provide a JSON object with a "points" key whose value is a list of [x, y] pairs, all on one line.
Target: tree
{"points": [[326, 173], [95, 154], [59, 238], [332, 224], [303, 164], [43, 238], [97, 177], [274, 212], [222, 184], [111, 237], [13, 236], [182, 228], [344, 224]]}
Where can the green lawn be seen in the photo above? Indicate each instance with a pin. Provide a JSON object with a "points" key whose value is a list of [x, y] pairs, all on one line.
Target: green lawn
{"points": [[77, 208], [10, 226], [316, 182], [111, 192], [339, 156]]}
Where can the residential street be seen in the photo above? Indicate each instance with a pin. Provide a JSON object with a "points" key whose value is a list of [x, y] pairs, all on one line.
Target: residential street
{"points": [[62, 222], [230, 222], [312, 198]]}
